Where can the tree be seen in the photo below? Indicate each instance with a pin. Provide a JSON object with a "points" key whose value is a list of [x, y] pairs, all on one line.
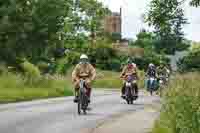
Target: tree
{"points": [[190, 62], [167, 17], [116, 36], [30, 28], [86, 19], [195, 3], [145, 39]]}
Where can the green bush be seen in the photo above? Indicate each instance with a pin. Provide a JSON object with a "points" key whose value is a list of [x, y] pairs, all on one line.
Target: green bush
{"points": [[190, 62], [3, 68], [43, 66], [103, 56], [149, 57], [62, 65], [73, 57], [30, 70], [181, 107]]}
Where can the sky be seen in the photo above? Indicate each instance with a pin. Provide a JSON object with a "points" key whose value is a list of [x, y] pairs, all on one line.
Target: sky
{"points": [[132, 23]]}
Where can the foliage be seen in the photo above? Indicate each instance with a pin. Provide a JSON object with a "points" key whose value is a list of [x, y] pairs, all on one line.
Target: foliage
{"points": [[150, 57], [29, 28], [63, 64], [85, 22], [30, 70], [180, 111], [3, 68], [104, 57], [33, 29], [145, 40], [167, 17], [195, 3], [14, 88], [43, 66], [116, 36], [190, 62]]}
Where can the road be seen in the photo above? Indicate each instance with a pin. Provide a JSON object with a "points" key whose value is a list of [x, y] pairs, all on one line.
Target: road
{"points": [[60, 115]]}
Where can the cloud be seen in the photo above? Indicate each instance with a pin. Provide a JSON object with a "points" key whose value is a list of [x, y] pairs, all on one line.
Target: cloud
{"points": [[132, 17]]}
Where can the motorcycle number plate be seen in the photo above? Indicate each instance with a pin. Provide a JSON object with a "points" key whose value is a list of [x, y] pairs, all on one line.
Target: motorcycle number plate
{"points": [[151, 78], [128, 84]]}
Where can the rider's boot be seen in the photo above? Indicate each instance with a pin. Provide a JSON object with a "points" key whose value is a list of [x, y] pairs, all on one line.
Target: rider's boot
{"points": [[123, 92], [136, 90], [75, 96], [89, 94]]}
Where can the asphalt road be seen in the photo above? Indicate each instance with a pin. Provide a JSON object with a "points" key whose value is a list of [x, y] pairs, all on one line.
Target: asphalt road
{"points": [[60, 115]]}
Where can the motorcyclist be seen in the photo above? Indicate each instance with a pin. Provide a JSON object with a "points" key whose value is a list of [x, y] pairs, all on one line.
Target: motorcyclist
{"points": [[162, 71], [129, 70], [151, 70], [151, 73], [83, 70], [168, 73]]}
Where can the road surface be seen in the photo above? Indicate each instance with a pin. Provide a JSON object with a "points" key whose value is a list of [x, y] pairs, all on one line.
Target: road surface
{"points": [[59, 115]]}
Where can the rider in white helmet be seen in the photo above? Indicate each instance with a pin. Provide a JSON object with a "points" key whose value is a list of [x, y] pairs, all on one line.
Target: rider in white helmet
{"points": [[151, 71], [83, 70]]}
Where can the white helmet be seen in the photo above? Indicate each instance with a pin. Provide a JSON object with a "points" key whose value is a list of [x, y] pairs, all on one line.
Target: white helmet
{"points": [[151, 65], [134, 65], [84, 56]]}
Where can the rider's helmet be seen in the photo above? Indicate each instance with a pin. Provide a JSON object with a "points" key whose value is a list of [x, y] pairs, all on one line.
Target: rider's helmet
{"points": [[151, 65], [129, 63], [84, 59], [162, 64], [134, 65]]}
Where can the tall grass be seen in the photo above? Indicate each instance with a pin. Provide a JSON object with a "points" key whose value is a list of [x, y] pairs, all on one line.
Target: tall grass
{"points": [[15, 87], [180, 112]]}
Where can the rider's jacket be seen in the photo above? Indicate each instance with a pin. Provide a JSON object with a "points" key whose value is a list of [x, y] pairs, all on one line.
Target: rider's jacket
{"points": [[83, 71], [151, 72], [129, 70], [162, 71]]}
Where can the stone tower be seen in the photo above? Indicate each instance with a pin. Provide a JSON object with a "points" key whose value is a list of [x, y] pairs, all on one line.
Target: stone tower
{"points": [[113, 23]]}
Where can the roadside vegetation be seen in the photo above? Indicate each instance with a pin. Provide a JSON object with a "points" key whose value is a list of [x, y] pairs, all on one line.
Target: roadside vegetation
{"points": [[15, 87], [180, 111]]}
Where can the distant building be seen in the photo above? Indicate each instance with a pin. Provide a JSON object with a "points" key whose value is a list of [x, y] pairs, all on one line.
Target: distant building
{"points": [[113, 23]]}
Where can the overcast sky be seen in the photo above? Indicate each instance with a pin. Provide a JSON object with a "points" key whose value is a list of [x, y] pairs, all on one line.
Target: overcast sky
{"points": [[132, 20]]}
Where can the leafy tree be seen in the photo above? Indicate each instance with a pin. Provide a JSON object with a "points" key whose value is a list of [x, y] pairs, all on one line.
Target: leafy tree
{"points": [[85, 20], [167, 17], [145, 39], [195, 3], [29, 28], [190, 62], [116, 36]]}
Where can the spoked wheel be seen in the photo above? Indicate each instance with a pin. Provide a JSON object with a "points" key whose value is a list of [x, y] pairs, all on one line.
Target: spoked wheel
{"points": [[84, 103], [79, 106], [151, 92], [128, 102]]}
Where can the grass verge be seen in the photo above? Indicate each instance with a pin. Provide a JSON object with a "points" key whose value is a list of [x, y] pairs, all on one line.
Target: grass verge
{"points": [[15, 88], [180, 111]]}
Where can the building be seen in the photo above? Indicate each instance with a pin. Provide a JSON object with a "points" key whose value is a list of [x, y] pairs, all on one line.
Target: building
{"points": [[113, 23]]}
